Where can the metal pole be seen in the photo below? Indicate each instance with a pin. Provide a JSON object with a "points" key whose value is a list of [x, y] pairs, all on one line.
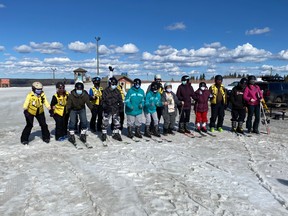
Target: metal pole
{"points": [[53, 69], [97, 39]]}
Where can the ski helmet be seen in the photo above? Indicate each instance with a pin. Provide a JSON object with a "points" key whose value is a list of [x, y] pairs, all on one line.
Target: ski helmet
{"points": [[36, 85], [167, 84], [154, 86], [79, 85], [157, 77], [96, 80], [60, 85], [243, 81], [185, 78], [137, 83], [112, 81], [218, 77], [202, 84], [251, 79]]}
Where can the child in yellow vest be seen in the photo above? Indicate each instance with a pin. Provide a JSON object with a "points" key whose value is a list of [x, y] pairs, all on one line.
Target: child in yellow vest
{"points": [[33, 107]]}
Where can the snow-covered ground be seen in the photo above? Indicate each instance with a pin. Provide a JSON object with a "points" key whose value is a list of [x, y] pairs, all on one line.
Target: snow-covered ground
{"points": [[226, 175]]}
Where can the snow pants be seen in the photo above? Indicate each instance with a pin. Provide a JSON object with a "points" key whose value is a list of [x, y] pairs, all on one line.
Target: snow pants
{"points": [[169, 120], [96, 114], [61, 125], [137, 120], [29, 125], [217, 111], [253, 110], [238, 115]]}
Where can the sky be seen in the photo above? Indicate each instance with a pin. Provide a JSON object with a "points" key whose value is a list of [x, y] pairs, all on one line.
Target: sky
{"points": [[143, 38]]}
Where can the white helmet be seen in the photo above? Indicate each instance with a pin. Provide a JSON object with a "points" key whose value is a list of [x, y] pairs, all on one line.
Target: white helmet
{"points": [[37, 85], [157, 76], [167, 84]]}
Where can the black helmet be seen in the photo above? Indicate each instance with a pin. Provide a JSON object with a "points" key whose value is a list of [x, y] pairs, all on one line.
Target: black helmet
{"points": [[59, 85], [185, 78], [218, 77], [113, 81], [137, 82], [202, 84], [96, 80], [251, 79], [154, 86], [79, 86], [243, 81]]}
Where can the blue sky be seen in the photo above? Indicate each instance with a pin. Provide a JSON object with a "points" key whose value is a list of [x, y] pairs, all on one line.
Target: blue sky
{"points": [[143, 38]]}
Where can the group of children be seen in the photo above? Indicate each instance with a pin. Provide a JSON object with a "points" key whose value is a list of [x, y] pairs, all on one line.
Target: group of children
{"points": [[111, 103]]}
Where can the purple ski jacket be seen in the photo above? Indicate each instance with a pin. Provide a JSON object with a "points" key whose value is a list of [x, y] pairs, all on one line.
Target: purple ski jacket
{"points": [[253, 92]]}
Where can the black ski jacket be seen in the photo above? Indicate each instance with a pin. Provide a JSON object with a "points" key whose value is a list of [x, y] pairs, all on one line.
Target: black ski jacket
{"points": [[112, 101], [236, 98]]}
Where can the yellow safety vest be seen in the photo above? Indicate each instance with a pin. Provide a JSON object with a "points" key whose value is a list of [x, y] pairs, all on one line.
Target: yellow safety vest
{"points": [[35, 103], [61, 104], [98, 94], [121, 91], [214, 92]]}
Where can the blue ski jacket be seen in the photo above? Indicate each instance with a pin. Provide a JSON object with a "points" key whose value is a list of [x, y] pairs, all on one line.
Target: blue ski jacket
{"points": [[134, 101]]}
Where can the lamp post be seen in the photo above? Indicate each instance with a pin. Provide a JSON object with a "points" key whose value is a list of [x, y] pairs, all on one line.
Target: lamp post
{"points": [[53, 69], [97, 39]]}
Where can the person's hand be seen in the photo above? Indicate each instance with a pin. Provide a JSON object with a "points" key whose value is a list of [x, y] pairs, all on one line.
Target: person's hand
{"points": [[200, 92], [165, 103], [252, 100], [51, 112], [140, 106]]}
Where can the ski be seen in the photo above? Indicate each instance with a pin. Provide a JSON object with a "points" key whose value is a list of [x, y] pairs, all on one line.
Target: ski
{"points": [[156, 139], [166, 139], [72, 140], [191, 135], [241, 134], [135, 139], [202, 134], [209, 133], [104, 143], [77, 146]]}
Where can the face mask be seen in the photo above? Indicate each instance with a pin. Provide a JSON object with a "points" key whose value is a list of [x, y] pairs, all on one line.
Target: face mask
{"points": [[113, 86], [38, 91], [154, 91], [168, 89], [137, 86], [184, 82], [202, 88], [79, 92]]}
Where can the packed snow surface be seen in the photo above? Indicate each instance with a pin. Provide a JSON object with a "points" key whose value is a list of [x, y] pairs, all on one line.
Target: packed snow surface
{"points": [[222, 175]]}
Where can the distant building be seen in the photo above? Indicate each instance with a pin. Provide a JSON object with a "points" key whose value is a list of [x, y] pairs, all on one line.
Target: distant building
{"points": [[122, 80], [4, 83], [80, 75]]}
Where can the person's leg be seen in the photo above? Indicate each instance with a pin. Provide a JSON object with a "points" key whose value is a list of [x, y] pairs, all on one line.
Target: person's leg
{"points": [[59, 124], [221, 114], [213, 116], [44, 128], [99, 118], [93, 120], [257, 113], [27, 130], [130, 124]]}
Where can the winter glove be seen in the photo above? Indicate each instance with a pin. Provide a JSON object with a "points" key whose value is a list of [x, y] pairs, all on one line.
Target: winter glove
{"points": [[200, 92], [51, 112], [140, 106]]}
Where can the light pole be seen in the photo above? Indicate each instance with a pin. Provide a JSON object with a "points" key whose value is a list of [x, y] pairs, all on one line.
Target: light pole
{"points": [[53, 69], [97, 39]]}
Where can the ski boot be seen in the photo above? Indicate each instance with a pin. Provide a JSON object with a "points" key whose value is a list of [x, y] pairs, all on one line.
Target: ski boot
{"points": [[233, 128], [204, 129], [137, 132], [116, 135], [147, 132], [240, 128], [130, 133], [156, 131], [72, 139], [186, 128], [165, 131], [83, 136], [103, 137], [181, 128], [170, 131]]}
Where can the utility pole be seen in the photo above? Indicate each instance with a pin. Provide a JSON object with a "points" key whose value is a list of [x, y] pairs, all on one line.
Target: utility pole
{"points": [[53, 71], [97, 51]]}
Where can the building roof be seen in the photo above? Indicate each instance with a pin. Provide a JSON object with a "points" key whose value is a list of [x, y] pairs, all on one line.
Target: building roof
{"points": [[80, 70]]}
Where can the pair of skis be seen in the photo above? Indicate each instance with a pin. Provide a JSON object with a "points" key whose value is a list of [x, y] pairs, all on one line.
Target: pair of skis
{"points": [[265, 119], [77, 146]]}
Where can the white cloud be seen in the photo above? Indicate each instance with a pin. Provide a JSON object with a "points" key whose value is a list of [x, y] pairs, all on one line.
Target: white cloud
{"points": [[283, 54], [127, 49], [2, 6], [47, 48], [2, 48], [23, 49], [57, 60], [257, 31], [176, 26], [213, 45], [81, 47]]}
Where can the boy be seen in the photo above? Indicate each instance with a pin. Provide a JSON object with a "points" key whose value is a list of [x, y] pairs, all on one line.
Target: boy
{"points": [[134, 103]]}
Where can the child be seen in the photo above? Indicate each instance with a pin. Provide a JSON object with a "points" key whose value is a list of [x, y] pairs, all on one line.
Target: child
{"points": [[59, 112], [253, 96], [170, 102], [201, 97], [238, 111], [152, 101], [76, 106], [112, 102], [33, 107], [95, 94], [218, 103], [134, 103]]}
